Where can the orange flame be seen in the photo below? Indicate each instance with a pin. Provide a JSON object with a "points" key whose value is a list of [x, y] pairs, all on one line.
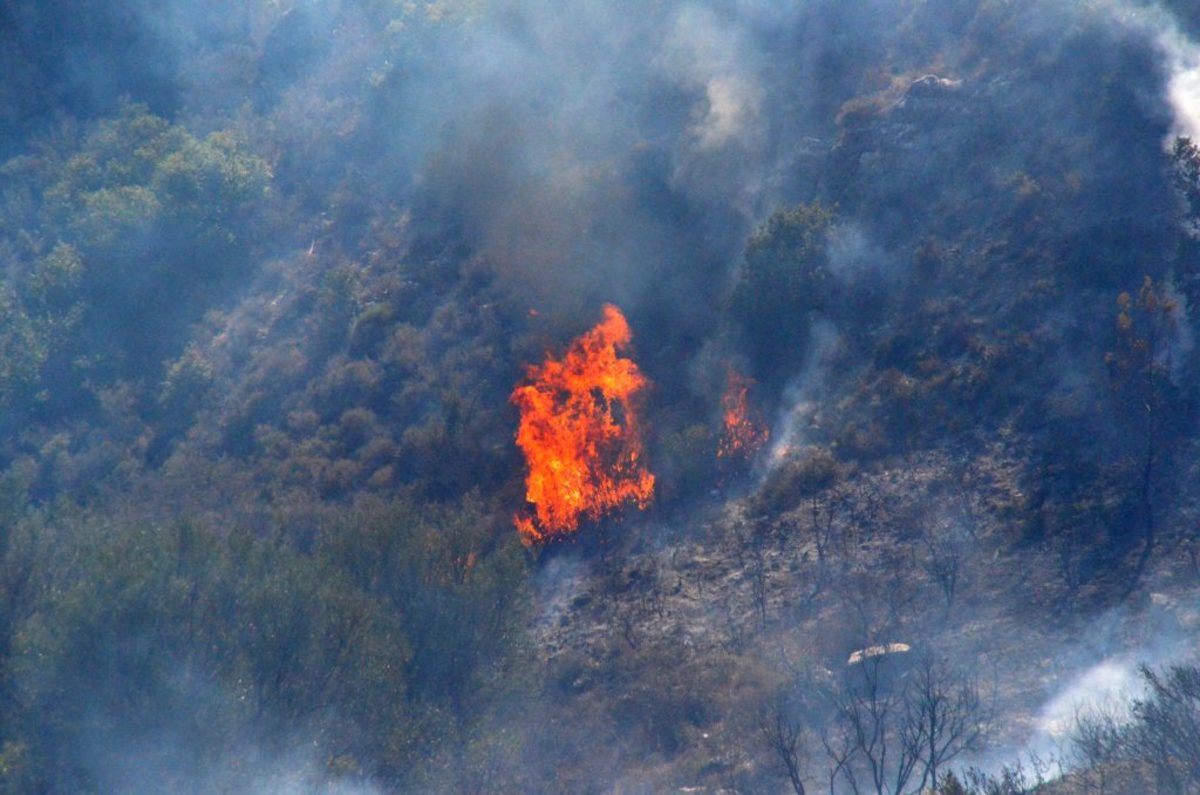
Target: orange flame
{"points": [[744, 434], [579, 432]]}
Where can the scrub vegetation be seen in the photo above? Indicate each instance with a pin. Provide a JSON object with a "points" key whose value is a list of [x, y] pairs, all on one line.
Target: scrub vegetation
{"points": [[911, 288]]}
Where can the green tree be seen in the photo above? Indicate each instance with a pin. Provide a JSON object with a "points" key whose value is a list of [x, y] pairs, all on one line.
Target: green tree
{"points": [[784, 281], [139, 632], [120, 237]]}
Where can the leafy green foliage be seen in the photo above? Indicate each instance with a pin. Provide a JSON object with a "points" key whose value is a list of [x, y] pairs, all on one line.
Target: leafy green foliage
{"points": [[445, 571], [783, 285], [127, 634], [140, 186], [136, 221]]}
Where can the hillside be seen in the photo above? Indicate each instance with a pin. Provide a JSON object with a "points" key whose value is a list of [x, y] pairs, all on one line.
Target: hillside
{"points": [[507, 396]]}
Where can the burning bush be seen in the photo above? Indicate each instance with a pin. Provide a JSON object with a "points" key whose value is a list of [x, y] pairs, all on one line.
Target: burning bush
{"points": [[579, 432], [744, 431]]}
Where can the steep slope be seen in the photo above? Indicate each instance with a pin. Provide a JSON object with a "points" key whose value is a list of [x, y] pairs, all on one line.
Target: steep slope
{"points": [[270, 279]]}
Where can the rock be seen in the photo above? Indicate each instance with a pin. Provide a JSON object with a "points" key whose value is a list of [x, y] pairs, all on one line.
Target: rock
{"points": [[932, 86]]}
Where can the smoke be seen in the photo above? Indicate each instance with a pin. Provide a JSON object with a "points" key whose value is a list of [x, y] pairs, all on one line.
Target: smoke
{"points": [[1180, 53], [153, 768], [1112, 680], [705, 58], [800, 420], [855, 258], [598, 151], [1183, 87], [619, 150], [1097, 672], [183, 739], [603, 171]]}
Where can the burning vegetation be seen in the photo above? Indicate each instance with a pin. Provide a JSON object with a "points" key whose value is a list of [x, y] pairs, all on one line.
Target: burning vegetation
{"points": [[579, 432], [744, 432], [264, 335]]}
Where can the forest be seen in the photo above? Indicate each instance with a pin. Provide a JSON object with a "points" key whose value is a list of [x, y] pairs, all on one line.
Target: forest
{"points": [[618, 396]]}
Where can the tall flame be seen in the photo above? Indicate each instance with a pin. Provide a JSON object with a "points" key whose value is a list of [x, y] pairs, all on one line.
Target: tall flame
{"points": [[744, 433], [579, 432]]}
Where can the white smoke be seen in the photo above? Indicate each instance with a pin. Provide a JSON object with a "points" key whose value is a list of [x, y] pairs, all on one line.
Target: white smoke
{"points": [[155, 767], [804, 396], [1182, 57], [703, 53], [1183, 87], [733, 105], [298, 777], [1111, 681]]}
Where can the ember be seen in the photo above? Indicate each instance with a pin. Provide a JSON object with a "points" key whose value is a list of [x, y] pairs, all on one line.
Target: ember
{"points": [[744, 433]]}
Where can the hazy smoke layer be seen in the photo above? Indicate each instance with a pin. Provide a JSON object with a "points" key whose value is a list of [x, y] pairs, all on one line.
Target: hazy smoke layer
{"points": [[624, 151]]}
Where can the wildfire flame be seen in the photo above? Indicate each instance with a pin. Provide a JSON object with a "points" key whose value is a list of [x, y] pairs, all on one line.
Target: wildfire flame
{"points": [[579, 432], [744, 434]]}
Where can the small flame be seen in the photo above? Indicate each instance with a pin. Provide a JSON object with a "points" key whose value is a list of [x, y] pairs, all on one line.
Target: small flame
{"points": [[744, 433], [579, 432]]}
